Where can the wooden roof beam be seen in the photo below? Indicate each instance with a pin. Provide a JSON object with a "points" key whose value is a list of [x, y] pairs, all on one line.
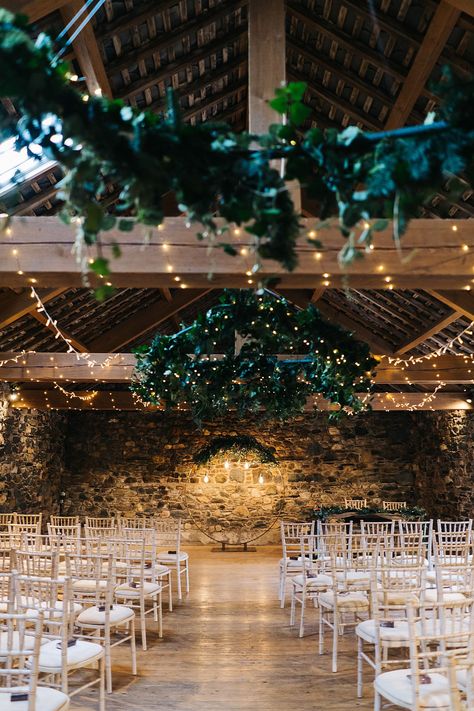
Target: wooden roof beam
{"points": [[34, 9], [145, 320], [461, 301], [466, 6], [87, 52], [439, 30], [15, 306], [78, 345], [427, 333]]}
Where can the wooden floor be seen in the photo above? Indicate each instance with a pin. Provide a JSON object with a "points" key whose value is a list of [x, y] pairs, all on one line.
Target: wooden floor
{"points": [[228, 647]]}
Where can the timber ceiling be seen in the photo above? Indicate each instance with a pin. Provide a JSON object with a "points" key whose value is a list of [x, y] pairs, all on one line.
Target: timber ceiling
{"points": [[362, 62]]}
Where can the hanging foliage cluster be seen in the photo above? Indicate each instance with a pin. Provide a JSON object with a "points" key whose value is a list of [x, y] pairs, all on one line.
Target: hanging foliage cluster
{"points": [[359, 177], [242, 445], [409, 512], [184, 370]]}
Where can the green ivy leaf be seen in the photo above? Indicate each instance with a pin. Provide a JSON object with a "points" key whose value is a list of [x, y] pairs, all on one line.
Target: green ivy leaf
{"points": [[126, 225], [100, 266]]}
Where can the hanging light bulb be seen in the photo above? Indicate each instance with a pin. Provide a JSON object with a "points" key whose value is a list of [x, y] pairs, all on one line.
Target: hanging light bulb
{"points": [[247, 465], [226, 464], [206, 478], [261, 479]]}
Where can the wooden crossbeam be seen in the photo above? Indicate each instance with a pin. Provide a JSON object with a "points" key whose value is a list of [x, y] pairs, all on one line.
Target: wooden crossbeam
{"points": [[439, 30], [113, 400], [427, 332], [466, 6], [34, 9], [78, 345], [461, 301], [437, 257], [118, 368], [15, 306], [87, 52], [145, 320]]}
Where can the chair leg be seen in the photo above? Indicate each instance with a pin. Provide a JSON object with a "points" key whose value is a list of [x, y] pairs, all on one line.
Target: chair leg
{"points": [[321, 630], [292, 606], [359, 667], [108, 661], [303, 607], [283, 589], [178, 575], [143, 624], [186, 575], [335, 640], [102, 684], [133, 647], [170, 593], [377, 702]]}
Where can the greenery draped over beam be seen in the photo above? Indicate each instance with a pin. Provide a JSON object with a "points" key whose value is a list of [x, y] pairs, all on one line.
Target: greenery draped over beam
{"points": [[409, 512], [361, 178], [183, 371], [242, 445]]}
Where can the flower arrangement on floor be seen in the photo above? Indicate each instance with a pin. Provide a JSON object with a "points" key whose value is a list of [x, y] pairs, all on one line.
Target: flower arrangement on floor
{"points": [[409, 512], [360, 178], [286, 356]]}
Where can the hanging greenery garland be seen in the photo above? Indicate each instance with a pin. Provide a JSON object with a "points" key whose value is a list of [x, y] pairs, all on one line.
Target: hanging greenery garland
{"points": [[183, 370], [243, 445], [409, 512], [358, 177]]}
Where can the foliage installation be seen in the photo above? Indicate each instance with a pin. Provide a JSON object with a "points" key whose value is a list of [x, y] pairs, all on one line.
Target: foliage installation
{"points": [[410, 512], [242, 445], [184, 371], [359, 177]]}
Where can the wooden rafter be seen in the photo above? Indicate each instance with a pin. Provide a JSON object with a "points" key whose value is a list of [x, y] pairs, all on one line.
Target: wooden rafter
{"points": [[78, 345], [113, 400], [427, 332], [34, 9], [145, 320], [87, 52], [439, 30], [15, 306], [118, 368], [461, 301], [44, 251], [466, 6]]}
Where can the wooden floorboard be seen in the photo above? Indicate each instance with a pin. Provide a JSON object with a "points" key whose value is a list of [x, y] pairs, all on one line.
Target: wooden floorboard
{"points": [[228, 647]]}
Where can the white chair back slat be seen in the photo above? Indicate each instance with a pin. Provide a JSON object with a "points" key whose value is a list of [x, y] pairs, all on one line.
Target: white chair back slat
{"points": [[394, 505], [355, 504]]}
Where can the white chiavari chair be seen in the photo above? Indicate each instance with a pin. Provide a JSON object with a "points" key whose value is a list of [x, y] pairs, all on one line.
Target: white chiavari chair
{"points": [[7, 591], [24, 535], [290, 562], [453, 576], [378, 528], [93, 579], [139, 523], [424, 529], [387, 628], [42, 564], [454, 526], [100, 522], [5, 520], [162, 573], [393, 505], [310, 582], [438, 636], [65, 521], [356, 504], [20, 643], [29, 520], [168, 534], [60, 654], [138, 586], [347, 596]]}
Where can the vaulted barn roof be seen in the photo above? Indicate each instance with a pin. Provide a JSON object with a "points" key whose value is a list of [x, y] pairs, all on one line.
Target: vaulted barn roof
{"points": [[372, 64]]}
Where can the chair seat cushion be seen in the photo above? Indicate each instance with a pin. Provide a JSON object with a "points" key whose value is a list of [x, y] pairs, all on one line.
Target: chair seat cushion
{"points": [[46, 699], [320, 581], [353, 600], [353, 577], [78, 655], [396, 636], [126, 590], [161, 569], [396, 686], [28, 642], [431, 595], [398, 597], [94, 616], [170, 557], [86, 585], [291, 563]]}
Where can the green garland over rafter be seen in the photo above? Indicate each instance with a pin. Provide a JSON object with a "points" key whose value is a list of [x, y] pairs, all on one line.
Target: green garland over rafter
{"points": [[242, 445], [316, 358], [360, 178]]}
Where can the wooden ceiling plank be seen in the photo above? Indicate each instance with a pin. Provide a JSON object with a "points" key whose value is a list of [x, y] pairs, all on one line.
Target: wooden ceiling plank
{"points": [[439, 30], [78, 345], [86, 49], [144, 321], [466, 6], [34, 9], [461, 301], [267, 69], [15, 306], [117, 400], [427, 332]]}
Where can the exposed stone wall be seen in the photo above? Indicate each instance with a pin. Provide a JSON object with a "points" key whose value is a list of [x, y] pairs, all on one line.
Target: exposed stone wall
{"points": [[31, 460], [136, 463], [445, 463]]}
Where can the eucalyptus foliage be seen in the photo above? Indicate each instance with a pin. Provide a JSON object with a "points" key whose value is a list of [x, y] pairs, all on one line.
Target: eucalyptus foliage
{"points": [[242, 445], [355, 176], [408, 512], [317, 357]]}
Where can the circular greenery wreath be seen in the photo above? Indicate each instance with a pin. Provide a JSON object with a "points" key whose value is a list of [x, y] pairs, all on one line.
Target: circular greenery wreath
{"points": [[183, 370], [242, 444], [98, 142]]}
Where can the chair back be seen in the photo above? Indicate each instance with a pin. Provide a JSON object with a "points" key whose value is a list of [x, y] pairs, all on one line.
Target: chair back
{"points": [[100, 522], [66, 521], [168, 533], [138, 523], [29, 520], [291, 534], [393, 505], [19, 668], [355, 504], [378, 528], [5, 520], [454, 526], [43, 564]]}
